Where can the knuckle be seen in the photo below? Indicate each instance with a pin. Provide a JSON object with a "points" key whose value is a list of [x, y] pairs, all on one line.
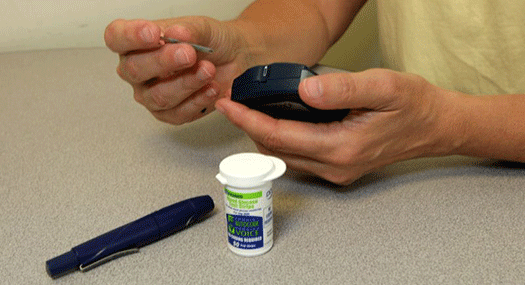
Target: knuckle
{"points": [[187, 83], [130, 71], [191, 83], [161, 99], [263, 150], [272, 141], [396, 86], [338, 177], [347, 86], [163, 71], [201, 101], [119, 71], [340, 167], [343, 180], [164, 64], [391, 82], [139, 97], [169, 118]]}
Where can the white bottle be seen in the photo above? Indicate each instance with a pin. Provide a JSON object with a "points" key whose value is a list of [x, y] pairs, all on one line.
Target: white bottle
{"points": [[247, 180]]}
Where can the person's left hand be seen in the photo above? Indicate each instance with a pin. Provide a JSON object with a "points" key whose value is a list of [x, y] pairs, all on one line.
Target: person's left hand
{"points": [[395, 116]]}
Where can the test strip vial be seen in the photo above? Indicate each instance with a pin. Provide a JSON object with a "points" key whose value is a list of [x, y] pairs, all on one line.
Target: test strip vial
{"points": [[247, 180]]}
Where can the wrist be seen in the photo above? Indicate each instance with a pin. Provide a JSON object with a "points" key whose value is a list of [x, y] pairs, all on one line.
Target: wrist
{"points": [[451, 126], [492, 126]]}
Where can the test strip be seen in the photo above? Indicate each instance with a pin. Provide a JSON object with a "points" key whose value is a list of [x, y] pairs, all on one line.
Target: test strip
{"points": [[195, 46]]}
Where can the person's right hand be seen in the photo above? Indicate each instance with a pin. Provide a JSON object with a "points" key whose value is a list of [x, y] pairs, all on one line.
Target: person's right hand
{"points": [[173, 81]]}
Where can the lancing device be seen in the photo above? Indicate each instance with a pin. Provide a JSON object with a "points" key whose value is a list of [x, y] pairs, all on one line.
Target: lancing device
{"points": [[129, 238], [195, 46]]}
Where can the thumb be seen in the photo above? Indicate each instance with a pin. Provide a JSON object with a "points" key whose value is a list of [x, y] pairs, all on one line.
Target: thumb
{"points": [[371, 89], [205, 31]]}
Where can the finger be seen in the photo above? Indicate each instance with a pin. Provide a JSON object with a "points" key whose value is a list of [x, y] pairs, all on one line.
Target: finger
{"points": [[375, 89], [194, 107], [138, 68], [182, 33], [279, 135], [123, 36], [168, 93]]}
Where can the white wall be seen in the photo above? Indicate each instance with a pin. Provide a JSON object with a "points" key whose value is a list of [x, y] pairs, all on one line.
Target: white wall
{"points": [[44, 24], [47, 24]]}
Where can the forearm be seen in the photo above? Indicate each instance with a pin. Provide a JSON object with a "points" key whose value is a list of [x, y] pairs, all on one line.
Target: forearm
{"points": [[295, 30], [491, 126]]}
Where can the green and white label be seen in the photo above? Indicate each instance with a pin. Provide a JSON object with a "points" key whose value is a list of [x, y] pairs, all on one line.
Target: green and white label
{"points": [[249, 218], [243, 201]]}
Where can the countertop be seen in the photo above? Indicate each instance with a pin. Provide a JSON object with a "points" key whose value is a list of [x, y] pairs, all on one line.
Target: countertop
{"points": [[79, 157]]}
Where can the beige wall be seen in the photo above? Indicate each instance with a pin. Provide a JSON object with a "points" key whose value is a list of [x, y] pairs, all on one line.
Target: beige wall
{"points": [[47, 24]]}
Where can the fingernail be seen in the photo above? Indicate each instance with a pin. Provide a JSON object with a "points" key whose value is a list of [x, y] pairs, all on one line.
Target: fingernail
{"points": [[211, 92], [203, 74], [146, 34], [182, 56], [313, 87]]}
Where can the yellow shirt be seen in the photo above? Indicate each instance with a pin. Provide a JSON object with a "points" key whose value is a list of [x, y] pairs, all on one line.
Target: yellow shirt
{"points": [[473, 46]]}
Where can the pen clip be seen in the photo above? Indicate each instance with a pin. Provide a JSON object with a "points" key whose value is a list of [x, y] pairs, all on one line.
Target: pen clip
{"points": [[85, 268]]}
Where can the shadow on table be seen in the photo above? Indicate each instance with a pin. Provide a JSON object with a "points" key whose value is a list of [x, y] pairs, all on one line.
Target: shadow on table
{"points": [[418, 170], [213, 130]]}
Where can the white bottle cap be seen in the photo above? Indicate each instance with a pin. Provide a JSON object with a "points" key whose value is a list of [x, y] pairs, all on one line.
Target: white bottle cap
{"points": [[250, 169]]}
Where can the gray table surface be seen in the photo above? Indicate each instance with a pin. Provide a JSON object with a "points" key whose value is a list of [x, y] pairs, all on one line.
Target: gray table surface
{"points": [[79, 157]]}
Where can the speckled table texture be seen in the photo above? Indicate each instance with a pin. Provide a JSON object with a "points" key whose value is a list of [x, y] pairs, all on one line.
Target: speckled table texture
{"points": [[79, 157]]}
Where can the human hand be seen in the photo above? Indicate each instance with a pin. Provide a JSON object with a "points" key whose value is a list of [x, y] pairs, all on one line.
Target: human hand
{"points": [[173, 81], [395, 116]]}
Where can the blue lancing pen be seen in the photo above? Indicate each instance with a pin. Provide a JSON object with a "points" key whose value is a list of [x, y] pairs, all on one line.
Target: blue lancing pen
{"points": [[129, 238]]}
